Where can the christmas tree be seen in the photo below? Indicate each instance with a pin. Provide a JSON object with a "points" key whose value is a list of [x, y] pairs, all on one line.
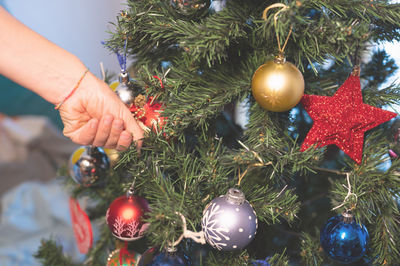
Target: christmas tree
{"points": [[307, 181]]}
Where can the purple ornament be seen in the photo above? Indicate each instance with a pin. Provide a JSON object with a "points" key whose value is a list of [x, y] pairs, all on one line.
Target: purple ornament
{"points": [[393, 154], [229, 221], [394, 150]]}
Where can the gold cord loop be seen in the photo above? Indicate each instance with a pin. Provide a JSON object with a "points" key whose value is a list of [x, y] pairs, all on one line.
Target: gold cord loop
{"points": [[283, 8]]}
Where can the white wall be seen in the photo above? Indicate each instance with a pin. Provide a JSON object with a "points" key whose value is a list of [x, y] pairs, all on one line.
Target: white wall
{"points": [[78, 26]]}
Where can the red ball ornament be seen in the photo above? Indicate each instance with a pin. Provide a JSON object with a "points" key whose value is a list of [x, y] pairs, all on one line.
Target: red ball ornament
{"points": [[125, 217], [81, 226]]}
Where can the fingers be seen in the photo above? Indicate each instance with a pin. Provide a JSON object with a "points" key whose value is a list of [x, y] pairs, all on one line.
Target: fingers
{"points": [[124, 141], [111, 134], [116, 130], [116, 127], [86, 133], [103, 131], [133, 127]]}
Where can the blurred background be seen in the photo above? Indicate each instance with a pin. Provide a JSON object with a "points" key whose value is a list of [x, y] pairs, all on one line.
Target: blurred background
{"points": [[34, 204]]}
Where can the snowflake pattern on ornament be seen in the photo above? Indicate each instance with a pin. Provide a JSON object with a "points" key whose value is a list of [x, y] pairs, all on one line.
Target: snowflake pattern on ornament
{"points": [[214, 233], [130, 229], [119, 226]]}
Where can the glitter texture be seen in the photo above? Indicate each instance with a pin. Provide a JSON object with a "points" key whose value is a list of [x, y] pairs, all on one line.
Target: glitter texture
{"points": [[342, 119]]}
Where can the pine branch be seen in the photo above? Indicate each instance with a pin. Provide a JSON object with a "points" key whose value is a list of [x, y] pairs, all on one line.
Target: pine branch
{"points": [[385, 238], [311, 252], [50, 254], [213, 58]]}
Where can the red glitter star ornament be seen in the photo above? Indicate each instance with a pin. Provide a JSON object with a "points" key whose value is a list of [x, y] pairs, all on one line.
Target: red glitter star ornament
{"points": [[342, 119]]}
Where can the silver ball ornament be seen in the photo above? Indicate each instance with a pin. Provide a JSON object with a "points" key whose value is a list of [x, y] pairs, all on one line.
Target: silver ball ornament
{"points": [[229, 222], [88, 165], [123, 90], [217, 6]]}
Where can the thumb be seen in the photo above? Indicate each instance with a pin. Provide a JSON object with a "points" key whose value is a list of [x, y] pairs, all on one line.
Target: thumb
{"points": [[132, 126]]}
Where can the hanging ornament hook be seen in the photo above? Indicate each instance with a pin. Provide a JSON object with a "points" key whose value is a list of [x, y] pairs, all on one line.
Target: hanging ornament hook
{"points": [[349, 194], [260, 163], [283, 8], [122, 58], [131, 190], [197, 237]]}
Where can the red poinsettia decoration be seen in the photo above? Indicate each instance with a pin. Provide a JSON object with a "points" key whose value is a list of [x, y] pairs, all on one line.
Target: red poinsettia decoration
{"points": [[149, 112]]}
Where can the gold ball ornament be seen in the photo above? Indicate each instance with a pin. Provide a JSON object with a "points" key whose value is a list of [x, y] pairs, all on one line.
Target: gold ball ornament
{"points": [[113, 155], [277, 85]]}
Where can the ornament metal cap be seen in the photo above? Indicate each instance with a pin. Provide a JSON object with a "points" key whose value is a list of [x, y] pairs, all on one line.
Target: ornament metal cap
{"points": [[131, 190], [90, 150], [130, 193], [280, 59], [124, 77], [235, 196], [348, 217], [171, 249]]}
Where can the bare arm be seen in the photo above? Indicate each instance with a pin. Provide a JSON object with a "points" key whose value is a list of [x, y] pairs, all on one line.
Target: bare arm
{"points": [[93, 114]]}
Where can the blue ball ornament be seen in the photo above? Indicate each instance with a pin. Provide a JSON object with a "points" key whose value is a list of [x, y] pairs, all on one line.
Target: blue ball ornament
{"points": [[264, 262], [166, 259], [166, 64], [153, 257], [344, 240], [314, 14]]}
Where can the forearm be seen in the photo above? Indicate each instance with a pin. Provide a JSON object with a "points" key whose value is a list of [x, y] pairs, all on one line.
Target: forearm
{"points": [[36, 63]]}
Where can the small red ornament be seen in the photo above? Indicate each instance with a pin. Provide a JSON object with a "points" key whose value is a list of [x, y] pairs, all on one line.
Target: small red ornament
{"points": [[149, 112], [123, 257], [124, 217], [81, 226], [342, 119]]}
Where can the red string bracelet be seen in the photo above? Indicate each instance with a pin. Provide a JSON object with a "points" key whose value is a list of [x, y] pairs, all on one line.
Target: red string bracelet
{"points": [[73, 90]]}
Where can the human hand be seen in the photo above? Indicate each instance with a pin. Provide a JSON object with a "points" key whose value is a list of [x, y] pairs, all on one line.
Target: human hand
{"points": [[94, 115]]}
